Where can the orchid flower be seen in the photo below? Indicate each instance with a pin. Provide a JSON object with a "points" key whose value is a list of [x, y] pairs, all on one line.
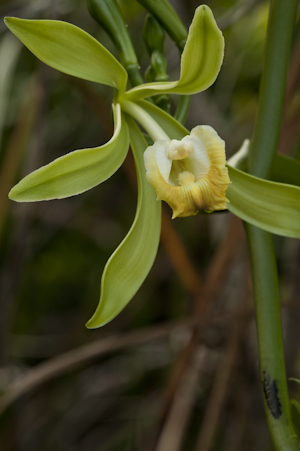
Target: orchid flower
{"points": [[187, 170]]}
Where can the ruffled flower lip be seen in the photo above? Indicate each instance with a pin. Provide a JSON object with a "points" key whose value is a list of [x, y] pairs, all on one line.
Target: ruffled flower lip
{"points": [[191, 174]]}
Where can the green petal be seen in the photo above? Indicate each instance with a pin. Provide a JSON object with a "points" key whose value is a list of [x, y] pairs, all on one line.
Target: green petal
{"points": [[69, 49], [200, 62], [274, 207], [131, 262], [77, 171]]}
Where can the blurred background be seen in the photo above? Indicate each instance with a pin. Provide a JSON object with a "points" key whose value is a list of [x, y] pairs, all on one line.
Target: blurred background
{"points": [[178, 368]]}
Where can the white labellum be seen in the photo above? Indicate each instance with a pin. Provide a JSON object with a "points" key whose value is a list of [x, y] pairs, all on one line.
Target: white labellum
{"points": [[190, 175]]}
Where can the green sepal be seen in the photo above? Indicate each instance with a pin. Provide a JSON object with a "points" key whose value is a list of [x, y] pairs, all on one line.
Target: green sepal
{"points": [[272, 206], [69, 49], [77, 171], [200, 62], [131, 262]]}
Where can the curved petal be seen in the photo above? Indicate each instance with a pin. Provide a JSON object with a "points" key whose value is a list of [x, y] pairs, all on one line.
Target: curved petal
{"points": [[200, 62], [69, 49], [77, 171], [131, 262], [274, 207]]}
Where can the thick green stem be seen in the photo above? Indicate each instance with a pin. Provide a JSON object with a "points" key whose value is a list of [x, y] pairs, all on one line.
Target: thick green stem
{"points": [[263, 147], [269, 335], [273, 83]]}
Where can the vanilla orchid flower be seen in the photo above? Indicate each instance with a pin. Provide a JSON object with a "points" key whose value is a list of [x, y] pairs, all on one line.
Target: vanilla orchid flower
{"points": [[190, 174], [186, 170]]}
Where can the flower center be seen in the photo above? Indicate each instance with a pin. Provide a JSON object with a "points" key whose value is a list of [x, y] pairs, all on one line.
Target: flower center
{"points": [[178, 150], [181, 170]]}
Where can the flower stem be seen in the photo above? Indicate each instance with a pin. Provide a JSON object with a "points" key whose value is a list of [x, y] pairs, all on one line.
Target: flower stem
{"points": [[265, 280], [155, 132]]}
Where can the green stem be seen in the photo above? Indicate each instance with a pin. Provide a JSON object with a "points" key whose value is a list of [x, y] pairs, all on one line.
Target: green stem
{"points": [[269, 335], [263, 147], [273, 82], [109, 16]]}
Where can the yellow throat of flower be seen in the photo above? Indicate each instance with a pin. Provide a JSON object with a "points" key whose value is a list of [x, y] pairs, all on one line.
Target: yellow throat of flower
{"points": [[190, 175]]}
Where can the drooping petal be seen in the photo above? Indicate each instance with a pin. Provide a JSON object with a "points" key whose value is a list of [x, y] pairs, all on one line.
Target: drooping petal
{"points": [[274, 207], [131, 262], [69, 49], [77, 171], [200, 62], [198, 180]]}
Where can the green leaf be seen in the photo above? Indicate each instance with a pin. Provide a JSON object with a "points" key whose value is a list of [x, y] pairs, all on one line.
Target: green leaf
{"points": [[131, 262], [69, 49], [274, 207], [77, 171], [200, 62]]}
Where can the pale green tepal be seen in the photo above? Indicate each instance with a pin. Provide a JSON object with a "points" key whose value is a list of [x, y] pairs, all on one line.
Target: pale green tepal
{"points": [[73, 51]]}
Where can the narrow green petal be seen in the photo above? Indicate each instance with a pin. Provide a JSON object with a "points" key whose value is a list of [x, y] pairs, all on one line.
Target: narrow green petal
{"points": [[77, 171], [69, 49], [131, 262], [274, 207], [200, 62]]}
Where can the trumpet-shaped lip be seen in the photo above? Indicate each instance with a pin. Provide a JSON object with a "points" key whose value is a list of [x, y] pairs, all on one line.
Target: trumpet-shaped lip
{"points": [[190, 175]]}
